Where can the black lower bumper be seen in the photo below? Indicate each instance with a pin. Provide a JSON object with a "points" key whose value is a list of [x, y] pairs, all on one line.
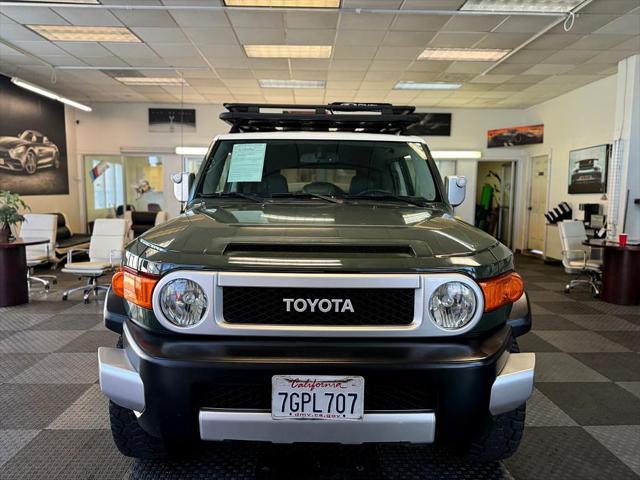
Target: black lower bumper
{"points": [[183, 376]]}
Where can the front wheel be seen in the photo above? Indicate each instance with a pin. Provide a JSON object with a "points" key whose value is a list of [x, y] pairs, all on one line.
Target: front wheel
{"points": [[130, 438]]}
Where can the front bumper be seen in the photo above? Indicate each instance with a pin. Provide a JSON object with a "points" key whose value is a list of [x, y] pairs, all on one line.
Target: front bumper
{"points": [[160, 378]]}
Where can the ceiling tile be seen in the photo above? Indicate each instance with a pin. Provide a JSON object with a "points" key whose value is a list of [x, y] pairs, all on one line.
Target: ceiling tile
{"points": [[346, 51], [236, 73], [528, 56], [554, 41], [593, 68], [627, 24], [389, 65], [241, 18], [510, 68], [211, 36], [222, 51], [260, 36], [524, 24], [86, 49], [186, 61], [309, 63], [575, 57], [32, 15], [145, 18], [345, 75], [89, 17], [273, 75], [200, 19], [611, 6], [137, 50], [398, 53], [407, 39], [526, 79], [502, 40], [40, 48], [429, 66], [468, 67], [306, 74], [491, 78], [316, 36], [548, 69], [360, 37], [585, 23], [463, 40], [599, 41], [15, 32], [311, 20], [161, 35], [473, 23], [350, 65], [174, 49], [419, 23], [632, 45], [365, 21], [269, 63], [611, 56], [374, 76]]}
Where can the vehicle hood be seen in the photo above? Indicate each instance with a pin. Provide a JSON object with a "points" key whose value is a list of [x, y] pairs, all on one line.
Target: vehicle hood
{"points": [[11, 142], [360, 236]]}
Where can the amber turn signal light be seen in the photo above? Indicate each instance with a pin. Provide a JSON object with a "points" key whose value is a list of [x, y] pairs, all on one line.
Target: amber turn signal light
{"points": [[501, 290], [134, 287]]}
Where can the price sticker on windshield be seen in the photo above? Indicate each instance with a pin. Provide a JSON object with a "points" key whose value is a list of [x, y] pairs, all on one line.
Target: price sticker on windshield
{"points": [[247, 162]]}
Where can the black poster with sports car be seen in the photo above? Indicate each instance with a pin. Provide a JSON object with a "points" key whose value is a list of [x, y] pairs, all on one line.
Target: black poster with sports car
{"points": [[432, 124], [33, 144], [515, 136], [588, 169]]}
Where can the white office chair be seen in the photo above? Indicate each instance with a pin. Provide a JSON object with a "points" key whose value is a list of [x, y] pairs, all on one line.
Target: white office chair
{"points": [[105, 253], [576, 257], [40, 226]]}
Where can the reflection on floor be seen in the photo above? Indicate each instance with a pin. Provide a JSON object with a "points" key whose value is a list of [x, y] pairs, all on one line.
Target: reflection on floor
{"points": [[582, 422]]}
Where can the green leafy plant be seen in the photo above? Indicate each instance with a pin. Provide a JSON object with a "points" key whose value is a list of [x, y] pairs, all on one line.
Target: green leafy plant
{"points": [[10, 207]]}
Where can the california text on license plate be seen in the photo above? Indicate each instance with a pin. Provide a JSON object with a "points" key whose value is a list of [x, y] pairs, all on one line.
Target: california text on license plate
{"points": [[317, 397]]}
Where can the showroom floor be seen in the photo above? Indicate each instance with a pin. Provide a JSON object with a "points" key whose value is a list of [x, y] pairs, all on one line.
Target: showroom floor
{"points": [[582, 422]]}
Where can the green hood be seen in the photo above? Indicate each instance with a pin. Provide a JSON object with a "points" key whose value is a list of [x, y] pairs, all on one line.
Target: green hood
{"points": [[328, 237]]}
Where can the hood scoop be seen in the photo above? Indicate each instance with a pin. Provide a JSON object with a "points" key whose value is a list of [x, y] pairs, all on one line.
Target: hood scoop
{"points": [[316, 248]]}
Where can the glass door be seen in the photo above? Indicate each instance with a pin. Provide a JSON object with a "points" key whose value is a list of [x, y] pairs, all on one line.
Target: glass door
{"points": [[104, 185]]}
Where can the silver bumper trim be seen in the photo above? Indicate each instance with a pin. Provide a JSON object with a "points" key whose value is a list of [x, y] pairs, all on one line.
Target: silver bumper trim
{"points": [[119, 380], [514, 383], [374, 427]]}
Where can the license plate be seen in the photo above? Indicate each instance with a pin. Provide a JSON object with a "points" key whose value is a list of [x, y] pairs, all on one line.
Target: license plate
{"points": [[317, 397]]}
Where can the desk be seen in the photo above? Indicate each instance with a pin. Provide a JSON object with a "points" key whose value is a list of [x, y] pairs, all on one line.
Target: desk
{"points": [[621, 271], [14, 289]]}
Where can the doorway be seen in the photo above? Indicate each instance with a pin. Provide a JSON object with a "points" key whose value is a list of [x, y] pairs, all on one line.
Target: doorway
{"points": [[495, 199], [538, 203]]}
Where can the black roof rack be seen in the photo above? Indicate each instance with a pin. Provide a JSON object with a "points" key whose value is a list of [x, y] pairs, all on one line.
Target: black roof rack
{"points": [[342, 117]]}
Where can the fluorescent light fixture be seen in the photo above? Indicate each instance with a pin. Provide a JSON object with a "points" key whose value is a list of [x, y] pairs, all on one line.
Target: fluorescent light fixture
{"points": [[288, 51], [456, 154], [77, 33], [200, 151], [284, 3], [407, 85], [538, 6], [146, 81], [291, 83], [48, 93], [463, 54], [90, 2]]}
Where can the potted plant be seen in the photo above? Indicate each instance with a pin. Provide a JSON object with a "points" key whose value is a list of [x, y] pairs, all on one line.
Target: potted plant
{"points": [[10, 206]]}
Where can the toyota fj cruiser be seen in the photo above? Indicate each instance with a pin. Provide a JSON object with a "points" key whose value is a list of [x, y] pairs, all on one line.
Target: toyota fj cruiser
{"points": [[317, 288]]}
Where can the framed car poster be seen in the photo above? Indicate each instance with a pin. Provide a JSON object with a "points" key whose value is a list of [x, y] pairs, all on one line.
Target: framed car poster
{"points": [[588, 169], [33, 143], [515, 136]]}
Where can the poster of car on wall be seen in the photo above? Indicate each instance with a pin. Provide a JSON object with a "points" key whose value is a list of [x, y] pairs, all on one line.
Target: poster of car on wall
{"points": [[33, 147], [588, 169], [515, 136]]}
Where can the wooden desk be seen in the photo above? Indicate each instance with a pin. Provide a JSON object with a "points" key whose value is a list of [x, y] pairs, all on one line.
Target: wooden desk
{"points": [[14, 289], [621, 272]]}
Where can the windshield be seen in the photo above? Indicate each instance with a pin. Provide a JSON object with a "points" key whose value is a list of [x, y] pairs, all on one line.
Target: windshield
{"points": [[280, 168]]}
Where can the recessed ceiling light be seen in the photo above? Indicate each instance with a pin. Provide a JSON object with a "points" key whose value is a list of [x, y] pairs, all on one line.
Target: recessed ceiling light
{"points": [[284, 3], [546, 6], [463, 54], [291, 83], [288, 51], [76, 33], [146, 81], [48, 93], [406, 85]]}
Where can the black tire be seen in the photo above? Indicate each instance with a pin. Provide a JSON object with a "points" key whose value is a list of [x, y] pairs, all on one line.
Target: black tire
{"points": [[130, 438], [502, 433]]}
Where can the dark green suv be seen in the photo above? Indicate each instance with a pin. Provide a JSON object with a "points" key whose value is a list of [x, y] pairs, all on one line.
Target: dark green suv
{"points": [[317, 288]]}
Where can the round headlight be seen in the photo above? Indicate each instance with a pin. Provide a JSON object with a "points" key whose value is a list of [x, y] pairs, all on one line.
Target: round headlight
{"points": [[452, 305], [183, 302]]}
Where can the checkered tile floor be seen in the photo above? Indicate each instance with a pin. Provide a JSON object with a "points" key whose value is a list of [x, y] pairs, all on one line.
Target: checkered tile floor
{"points": [[582, 422]]}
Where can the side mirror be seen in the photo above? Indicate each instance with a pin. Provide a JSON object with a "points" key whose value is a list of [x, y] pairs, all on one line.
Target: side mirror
{"points": [[182, 183], [456, 189]]}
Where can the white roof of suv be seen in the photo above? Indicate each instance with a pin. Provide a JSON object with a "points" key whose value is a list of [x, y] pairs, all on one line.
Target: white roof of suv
{"points": [[371, 137]]}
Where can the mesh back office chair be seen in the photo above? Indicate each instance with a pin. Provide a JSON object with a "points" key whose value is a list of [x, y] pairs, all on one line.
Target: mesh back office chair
{"points": [[576, 257], [40, 226], [105, 253]]}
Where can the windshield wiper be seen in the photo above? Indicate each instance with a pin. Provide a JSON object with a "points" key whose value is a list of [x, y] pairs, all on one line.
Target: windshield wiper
{"points": [[305, 195], [389, 196], [249, 196]]}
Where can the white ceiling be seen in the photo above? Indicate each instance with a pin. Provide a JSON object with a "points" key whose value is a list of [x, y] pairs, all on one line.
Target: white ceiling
{"points": [[371, 52]]}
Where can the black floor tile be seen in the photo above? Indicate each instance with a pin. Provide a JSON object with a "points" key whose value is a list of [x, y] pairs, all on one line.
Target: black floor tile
{"points": [[553, 322], [62, 321], [630, 340], [631, 318], [565, 453], [11, 364], [533, 343], [90, 341], [569, 306], [594, 403], [619, 367]]}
